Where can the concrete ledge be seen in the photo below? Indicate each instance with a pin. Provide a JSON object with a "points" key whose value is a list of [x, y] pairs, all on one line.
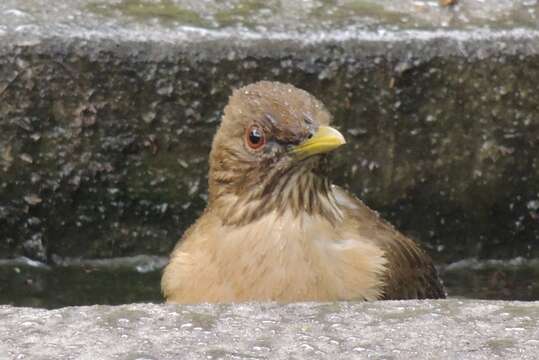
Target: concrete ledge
{"points": [[396, 330], [105, 126]]}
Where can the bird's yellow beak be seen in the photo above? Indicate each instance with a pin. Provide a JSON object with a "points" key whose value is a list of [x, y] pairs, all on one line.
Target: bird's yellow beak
{"points": [[324, 140]]}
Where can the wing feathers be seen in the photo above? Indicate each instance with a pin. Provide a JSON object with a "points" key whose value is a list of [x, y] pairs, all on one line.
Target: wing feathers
{"points": [[411, 273]]}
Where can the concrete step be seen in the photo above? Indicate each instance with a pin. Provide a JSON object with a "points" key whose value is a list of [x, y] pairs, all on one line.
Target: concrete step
{"points": [[107, 110], [449, 329]]}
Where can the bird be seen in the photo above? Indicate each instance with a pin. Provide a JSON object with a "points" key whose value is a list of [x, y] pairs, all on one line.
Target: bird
{"points": [[276, 229]]}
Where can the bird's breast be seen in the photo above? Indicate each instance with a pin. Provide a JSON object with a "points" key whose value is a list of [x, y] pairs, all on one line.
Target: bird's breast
{"points": [[283, 257]]}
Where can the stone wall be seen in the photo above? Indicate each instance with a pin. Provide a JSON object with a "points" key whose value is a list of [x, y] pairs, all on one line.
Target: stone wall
{"points": [[105, 131]]}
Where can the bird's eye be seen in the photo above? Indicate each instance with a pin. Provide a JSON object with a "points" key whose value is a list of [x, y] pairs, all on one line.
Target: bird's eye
{"points": [[255, 137]]}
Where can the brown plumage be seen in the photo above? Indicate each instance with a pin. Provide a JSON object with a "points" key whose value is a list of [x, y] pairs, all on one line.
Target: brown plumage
{"points": [[276, 229]]}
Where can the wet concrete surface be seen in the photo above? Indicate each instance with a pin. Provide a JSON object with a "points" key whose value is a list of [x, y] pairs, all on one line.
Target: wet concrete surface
{"points": [[105, 124], [449, 329], [254, 17]]}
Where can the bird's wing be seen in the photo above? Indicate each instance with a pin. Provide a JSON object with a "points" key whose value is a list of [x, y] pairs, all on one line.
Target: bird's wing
{"points": [[411, 273]]}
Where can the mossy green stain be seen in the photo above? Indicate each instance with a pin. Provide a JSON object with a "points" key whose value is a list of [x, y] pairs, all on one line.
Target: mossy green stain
{"points": [[244, 12], [351, 10], [165, 11]]}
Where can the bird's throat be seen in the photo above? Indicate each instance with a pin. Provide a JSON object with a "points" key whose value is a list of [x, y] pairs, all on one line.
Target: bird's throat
{"points": [[298, 193]]}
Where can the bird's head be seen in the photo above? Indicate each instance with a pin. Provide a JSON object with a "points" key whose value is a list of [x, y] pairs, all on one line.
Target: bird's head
{"points": [[269, 149]]}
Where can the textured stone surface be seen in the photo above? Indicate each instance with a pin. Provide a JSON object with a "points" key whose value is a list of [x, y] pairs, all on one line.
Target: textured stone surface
{"points": [[381, 330], [107, 113]]}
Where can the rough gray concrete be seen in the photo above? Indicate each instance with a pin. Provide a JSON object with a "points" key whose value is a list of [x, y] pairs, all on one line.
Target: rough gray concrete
{"points": [[107, 113], [382, 330]]}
